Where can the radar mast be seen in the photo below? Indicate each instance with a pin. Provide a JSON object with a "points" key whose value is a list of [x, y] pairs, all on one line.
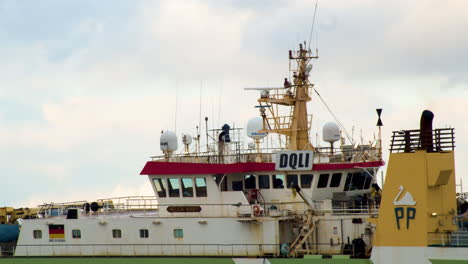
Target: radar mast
{"points": [[294, 95]]}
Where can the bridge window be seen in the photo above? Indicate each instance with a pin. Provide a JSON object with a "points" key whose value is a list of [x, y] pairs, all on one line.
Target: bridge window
{"points": [[306, 180], [200, 187], [187, 187], [37, 234], [335, 180], [323, 181], [358, 181], [348, 186], [249, 182], [264, 181], [76, 233], [144, 233], [237, 185], [291, 181], [221, 181], [174, 188], [158, 183], [368, 181], [278, 181], [116, 233]]}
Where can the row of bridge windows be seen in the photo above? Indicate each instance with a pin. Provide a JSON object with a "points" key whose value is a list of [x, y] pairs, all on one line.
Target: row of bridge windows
{"points": [[196, 187], [175, 187], [354, 181], [279, 181]]}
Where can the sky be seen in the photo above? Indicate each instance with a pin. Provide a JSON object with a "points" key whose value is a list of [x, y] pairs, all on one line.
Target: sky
{"points": [[87, 86]]}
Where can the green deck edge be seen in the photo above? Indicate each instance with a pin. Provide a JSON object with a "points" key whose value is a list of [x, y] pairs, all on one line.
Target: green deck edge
{"points": [[116, 260], [447, 261]]}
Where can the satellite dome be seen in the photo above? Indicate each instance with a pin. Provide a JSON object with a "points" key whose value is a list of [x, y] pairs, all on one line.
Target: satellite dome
{"points": [[254, 126], [168, 142], [331, 132]]}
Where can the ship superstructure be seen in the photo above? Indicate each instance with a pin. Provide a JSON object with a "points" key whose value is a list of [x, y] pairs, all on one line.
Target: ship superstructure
{"points": [[229, 200], [299, 199]]}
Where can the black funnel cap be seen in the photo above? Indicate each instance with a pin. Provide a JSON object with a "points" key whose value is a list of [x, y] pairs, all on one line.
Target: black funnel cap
{"points": [[426, 131]]}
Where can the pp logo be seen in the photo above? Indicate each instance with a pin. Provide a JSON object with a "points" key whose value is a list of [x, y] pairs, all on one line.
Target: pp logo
{"points": [[400, 215], [400, 212]]}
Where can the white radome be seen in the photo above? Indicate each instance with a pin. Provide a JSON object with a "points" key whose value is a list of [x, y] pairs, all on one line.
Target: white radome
{"points": [[168, 141], [331, 132], [254, 126]]}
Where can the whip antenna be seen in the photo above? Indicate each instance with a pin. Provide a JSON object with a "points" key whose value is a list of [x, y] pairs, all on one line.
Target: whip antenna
{"points": [[313, 23]]}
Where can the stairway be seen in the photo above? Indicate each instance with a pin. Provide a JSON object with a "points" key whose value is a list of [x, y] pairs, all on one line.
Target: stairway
{"points": [[307, 229]]}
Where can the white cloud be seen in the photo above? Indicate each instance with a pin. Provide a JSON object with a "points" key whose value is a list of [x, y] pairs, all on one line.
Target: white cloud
{"points": [[82, 194], [54, 172], [106, 101]]}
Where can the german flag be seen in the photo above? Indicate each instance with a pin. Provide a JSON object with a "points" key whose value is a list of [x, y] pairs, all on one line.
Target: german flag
{"points": [[56, 232]]}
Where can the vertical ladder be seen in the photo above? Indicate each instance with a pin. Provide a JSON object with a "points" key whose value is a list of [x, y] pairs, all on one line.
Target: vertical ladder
{"points": [[238, 152]]}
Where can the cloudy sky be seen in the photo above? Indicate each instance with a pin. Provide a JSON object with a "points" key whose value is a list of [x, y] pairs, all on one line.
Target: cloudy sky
{"points": [[87, 86]]}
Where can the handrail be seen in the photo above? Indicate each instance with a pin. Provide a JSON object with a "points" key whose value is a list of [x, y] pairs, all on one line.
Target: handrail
{"points": [[443, 139], [448, 239], [347, 154], [150, 208]]}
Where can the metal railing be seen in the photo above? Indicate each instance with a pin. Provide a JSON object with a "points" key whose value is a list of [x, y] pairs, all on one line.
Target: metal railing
{"points": [[448, 239], [104, 206], [325, 155], [147, 206], [437, 140]]}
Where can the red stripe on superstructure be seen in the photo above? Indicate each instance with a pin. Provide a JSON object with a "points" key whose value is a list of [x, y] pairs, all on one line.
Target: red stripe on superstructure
{"points": [[171, 168]]}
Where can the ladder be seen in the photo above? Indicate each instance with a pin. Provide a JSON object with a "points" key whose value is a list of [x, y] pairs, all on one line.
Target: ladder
{"points": [[307, 229]]}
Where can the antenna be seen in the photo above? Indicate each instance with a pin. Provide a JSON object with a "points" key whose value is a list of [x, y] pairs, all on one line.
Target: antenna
{"points": [[197, 147], [313, 23], [362, 139], [176, 101], [206, 127], [199, 117], [219, 100]]}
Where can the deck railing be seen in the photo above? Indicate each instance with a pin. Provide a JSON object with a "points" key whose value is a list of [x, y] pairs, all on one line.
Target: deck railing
{"points": [[448, 239], [437, 140], [324, 155], [148, 206]]}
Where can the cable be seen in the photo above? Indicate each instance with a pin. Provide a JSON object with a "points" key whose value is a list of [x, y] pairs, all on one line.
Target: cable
{"points": [[334, 116]]}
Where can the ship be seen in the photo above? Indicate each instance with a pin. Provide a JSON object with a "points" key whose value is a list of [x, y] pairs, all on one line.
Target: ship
{"points": [[230, 202]]}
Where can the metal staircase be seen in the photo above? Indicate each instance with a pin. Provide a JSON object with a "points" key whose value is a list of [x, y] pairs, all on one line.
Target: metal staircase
{"points": [[300, 245]]}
